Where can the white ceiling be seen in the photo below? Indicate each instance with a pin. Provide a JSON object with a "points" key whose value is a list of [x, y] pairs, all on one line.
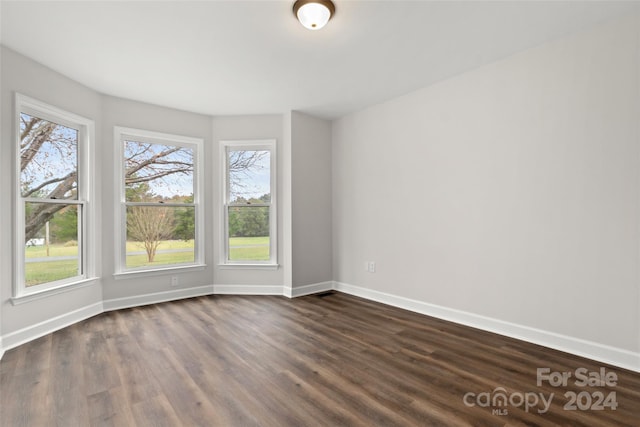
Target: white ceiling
{"points": [[253, 57]]}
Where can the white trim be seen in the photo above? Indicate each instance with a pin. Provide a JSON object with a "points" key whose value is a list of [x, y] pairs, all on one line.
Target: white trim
{"points": [[179, 268], [247, 289], [314, 288], [157, 297], [49, 292], [614, 356], [243, 266], [48, 326]]}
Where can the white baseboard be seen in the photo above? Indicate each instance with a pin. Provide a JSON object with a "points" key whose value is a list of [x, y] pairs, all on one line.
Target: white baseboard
{"points": [[314, 288], [38, 330], [603, 353], [157, 297], [248, 289], [592, 350]]}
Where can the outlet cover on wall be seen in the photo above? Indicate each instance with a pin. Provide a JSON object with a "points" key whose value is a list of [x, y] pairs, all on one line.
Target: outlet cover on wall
{"points": [[174, 281], [371, 267]]}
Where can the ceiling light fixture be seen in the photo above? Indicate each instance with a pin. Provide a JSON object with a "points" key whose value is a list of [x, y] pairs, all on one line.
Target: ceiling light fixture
{"points": [[314, 14]]}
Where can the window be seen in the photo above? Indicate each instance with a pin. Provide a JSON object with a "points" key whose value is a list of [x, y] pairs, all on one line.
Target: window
{"points": [[53, 213], [159, 214], [249, 203]]}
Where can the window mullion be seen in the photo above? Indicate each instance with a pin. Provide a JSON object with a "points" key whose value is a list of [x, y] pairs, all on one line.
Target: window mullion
{"points": [[169, 205], [249, 205], [53, 201]]}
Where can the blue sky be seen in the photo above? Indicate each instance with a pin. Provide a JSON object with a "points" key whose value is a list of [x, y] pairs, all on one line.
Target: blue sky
{"points": [[56, 158], [256, 181]]}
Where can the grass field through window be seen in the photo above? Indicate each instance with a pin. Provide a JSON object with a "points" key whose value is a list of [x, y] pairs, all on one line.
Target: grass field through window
{"points": [[249, 248], [62, 260]]}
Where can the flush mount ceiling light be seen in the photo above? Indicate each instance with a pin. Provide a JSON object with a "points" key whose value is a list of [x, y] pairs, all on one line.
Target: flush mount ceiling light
{"points": [[314, 14]]}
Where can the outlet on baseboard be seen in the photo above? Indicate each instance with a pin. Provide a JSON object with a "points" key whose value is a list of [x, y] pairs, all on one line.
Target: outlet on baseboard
{"points": [[174, 281]]}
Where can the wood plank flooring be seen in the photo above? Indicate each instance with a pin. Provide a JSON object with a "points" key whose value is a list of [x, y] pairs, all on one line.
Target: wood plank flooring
{"points": [[335, 360]]}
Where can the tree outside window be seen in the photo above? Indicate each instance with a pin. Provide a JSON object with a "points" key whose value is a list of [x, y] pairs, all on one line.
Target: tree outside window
{"points": [[159, 206]]}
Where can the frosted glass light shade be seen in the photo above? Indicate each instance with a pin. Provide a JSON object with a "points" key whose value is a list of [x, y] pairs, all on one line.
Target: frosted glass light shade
{"points": [[313, 14]]}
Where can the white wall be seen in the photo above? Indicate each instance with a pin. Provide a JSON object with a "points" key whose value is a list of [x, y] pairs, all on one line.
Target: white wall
{"points": [[311, 200], [22, 75], [510, 192]]}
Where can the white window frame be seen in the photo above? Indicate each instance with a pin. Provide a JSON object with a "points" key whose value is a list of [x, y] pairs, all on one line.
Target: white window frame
{"points": [[85, 191], [122, 134], [254, 144]]}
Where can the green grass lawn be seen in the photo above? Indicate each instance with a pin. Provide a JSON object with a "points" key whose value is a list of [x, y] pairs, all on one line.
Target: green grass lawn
{"points": [[245, 241], [164, 245], [135, 261], [240, 248], [249, 248], [54, 250], [43, 272], [50, 271], [141, 260]]}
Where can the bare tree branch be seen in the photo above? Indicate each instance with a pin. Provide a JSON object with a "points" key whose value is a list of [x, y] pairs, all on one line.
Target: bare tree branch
{"points": [[242, 164], [32, 148], [28, 126], [151, 160], [51, 181]]}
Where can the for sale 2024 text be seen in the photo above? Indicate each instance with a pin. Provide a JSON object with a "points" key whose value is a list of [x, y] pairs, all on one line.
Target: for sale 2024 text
{"points": [[598, 400]]}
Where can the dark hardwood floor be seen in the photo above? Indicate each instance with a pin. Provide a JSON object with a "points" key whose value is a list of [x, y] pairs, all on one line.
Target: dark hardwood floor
{"points": [[335, 360]]}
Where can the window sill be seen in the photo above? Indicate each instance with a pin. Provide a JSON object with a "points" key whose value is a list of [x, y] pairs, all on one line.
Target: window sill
{"points": [[229, 266], [159, 271], [46, 293]]}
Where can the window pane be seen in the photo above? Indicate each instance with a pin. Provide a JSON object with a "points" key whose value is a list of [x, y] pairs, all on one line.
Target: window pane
{"points": [[155, 172], [249, 233], [249, 176], [48, 159], [160, 235], [51, 242]]}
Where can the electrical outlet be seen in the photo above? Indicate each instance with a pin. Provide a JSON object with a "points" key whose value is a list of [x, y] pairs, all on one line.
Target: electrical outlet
{"points": [[174, 281], [371, 267]]}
